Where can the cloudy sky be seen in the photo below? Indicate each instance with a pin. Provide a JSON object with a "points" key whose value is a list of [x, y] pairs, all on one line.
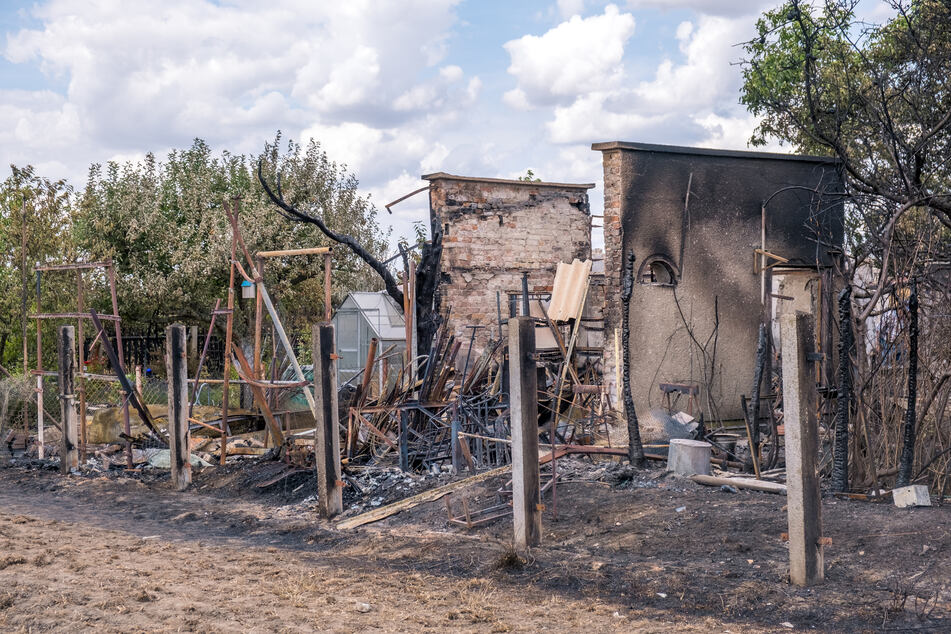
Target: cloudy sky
{"points": [[392, 88]]}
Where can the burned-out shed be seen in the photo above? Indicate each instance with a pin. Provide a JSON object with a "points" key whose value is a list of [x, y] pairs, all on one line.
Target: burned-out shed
{"points": [[493, 231], [723, 240]]}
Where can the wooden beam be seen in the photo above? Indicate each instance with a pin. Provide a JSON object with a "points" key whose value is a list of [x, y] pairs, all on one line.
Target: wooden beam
{"points": [[292, 252]]}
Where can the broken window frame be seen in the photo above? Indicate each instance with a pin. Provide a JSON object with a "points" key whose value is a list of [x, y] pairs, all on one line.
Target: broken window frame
{"points": [[646, 273]]}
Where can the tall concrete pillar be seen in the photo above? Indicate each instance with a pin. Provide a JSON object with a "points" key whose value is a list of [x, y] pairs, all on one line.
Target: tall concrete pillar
{"points": [[327, 448], [176, 365], [800, 399], [526, 492], [69, 445]]}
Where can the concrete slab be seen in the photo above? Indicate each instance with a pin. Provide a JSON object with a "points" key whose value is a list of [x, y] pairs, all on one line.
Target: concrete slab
{"points": [[912, 495]]}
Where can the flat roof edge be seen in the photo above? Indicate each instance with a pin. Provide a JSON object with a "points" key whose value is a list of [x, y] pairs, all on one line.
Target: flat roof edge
{"points": [[504, 181], [677, 149]]}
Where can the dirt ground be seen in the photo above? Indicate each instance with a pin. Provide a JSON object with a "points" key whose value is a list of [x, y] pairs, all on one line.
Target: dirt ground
{"points": [[656, 553]]}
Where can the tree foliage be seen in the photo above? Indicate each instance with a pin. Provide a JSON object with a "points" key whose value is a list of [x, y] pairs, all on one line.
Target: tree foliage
{"points": [[874, 96], [34, 228], [164, 226]]}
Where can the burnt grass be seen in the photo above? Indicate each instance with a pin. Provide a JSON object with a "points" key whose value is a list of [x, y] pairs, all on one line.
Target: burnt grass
{"points": [[656, 546]]}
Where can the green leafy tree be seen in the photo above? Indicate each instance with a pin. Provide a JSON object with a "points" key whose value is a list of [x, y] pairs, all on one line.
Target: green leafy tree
{"points": [[34, 228], [164, 226], [876, 97]]}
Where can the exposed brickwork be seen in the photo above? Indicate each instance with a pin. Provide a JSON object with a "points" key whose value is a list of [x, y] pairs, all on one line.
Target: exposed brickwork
{"points": [[495, 230], [613, 193]]}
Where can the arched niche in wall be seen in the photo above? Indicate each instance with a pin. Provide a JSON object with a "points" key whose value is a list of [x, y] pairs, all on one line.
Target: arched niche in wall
{"points": [[658, 270]]}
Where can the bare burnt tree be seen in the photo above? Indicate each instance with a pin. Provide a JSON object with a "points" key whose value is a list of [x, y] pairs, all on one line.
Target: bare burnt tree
{"points": [[908, 435], [635, 448], [840, 461], [427, 271]]}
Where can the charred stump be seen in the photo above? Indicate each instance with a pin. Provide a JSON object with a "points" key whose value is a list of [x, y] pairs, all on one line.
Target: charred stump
{"points": [[908, 436], [635, 449], [840, 460]]}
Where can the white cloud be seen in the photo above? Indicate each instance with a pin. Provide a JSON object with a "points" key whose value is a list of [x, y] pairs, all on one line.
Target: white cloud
{"points": [[159, 74], [575, 57], [568, 8], [692, 100], [706, 76], [732, 8]]}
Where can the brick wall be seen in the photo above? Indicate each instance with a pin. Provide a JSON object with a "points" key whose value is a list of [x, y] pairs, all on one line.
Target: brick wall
{"points": [[613, 193], [493, 230]]}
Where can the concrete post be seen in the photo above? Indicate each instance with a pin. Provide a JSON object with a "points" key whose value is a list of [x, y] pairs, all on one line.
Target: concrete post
{"points": [[327, 449], [68, 446], [526, 493], [802, 482], [176, 365]]}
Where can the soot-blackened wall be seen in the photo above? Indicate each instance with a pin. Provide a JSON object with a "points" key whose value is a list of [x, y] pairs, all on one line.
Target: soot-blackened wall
{"points": [[706, 241]]}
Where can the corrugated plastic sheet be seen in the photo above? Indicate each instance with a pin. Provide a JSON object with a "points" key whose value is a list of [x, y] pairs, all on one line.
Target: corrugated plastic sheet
{"points": [[569, 290]]}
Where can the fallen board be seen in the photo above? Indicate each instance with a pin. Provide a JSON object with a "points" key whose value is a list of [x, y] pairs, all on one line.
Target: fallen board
{"points": [[741, 483], [432, 495]]}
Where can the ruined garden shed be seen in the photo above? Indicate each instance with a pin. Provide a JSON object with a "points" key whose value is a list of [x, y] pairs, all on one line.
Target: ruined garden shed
{"points": [[723, 241], [493, 231], [361, 317]]}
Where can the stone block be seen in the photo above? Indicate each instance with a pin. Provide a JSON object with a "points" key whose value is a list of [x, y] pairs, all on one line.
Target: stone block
{"points": [[913, 495], [688, 457]]}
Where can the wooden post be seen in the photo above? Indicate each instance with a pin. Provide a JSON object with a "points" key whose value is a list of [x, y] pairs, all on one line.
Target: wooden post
{"points": [[40, 431], [229, 326], [455, 452], [258, 323], [327, 296], [80, 349], [404, 441], [176, 364], [193, 345], [526, 493], [327, 449], [68, 451], [799, 405]]}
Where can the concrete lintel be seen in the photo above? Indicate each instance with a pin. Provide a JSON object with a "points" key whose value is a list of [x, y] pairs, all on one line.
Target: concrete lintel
{"points": [[701, 151]]}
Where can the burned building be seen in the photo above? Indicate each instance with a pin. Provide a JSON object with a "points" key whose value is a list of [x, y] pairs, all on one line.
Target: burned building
{"points": [[493, 231], [723, 240]]}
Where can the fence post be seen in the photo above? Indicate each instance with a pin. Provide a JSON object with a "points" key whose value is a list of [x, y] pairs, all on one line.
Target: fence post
{"points": [[68, 449], [404, 441], [176, 365], [804, 503], [526, 494], [327, 449], [455, 452]]}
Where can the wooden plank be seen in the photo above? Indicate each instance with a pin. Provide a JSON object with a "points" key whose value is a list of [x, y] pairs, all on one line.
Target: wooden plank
{"points": [[259, 397], [431, 496], [291, 252], [741, 483]]}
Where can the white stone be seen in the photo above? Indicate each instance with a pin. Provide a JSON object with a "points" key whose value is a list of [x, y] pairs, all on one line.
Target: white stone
{"points": [[913, 495], [688, 457]]}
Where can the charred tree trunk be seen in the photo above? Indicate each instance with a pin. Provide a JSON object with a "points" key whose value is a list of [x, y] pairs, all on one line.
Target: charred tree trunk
{"points": [[908, 437], [840, 461], [754, 398], [635, 449], [427, 273]]}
